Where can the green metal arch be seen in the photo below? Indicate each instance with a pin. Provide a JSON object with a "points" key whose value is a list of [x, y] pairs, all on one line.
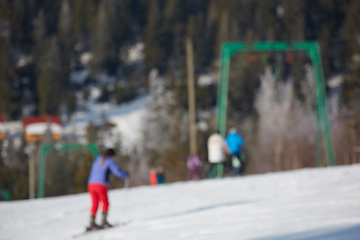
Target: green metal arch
{"points": [[310, 47], [44, 149]]}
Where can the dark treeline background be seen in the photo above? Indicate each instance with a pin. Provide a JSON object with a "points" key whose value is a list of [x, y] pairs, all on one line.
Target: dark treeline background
{"points": [[51, 35], [42, 42]]}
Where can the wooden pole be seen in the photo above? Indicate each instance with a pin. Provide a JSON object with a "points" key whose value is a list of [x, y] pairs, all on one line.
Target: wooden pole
{"points": [[32, 176], [353, 140], [191, 94]]}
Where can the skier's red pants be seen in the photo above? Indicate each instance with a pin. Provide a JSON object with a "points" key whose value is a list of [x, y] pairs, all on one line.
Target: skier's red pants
{"points": [[98, 192]]}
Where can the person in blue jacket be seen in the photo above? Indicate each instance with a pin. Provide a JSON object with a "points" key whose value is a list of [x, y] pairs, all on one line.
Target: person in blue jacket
{"points": [[98, 183], [235, 142]]}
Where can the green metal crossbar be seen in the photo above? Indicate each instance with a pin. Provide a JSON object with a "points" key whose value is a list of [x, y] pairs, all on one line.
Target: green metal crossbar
{"points": [[310, 47], [44, 149]]}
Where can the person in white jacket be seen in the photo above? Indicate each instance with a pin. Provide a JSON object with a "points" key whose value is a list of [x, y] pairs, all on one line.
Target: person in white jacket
{"points": [[217, 148]]}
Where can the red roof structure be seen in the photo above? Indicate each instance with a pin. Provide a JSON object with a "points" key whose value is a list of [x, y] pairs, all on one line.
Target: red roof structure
{"points": [[36, 126], [41, 119]]}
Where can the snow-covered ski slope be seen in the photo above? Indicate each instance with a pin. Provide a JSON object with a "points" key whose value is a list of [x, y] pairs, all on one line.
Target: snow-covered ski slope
{"points": [[319, 203]]}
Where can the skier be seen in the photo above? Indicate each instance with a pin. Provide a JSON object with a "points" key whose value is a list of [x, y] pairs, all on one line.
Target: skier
{"points": [[235, 142], [153, 177], [98, 183], [193, 162], [217, 148], [160, 176]]}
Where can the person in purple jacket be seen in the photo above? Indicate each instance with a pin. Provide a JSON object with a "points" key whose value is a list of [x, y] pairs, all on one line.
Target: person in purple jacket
{"points": [[193, 162], [98, 183]]}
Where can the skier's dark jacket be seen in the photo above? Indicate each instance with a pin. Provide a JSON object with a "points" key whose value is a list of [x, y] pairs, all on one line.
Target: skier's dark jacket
{"points": [[101, 174]]}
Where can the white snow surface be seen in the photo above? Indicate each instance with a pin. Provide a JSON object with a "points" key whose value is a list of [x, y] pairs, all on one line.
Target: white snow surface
{"points": [[319, 203]]}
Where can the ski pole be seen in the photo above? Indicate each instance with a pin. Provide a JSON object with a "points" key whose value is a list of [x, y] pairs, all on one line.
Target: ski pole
{"points": [[126, 186]]}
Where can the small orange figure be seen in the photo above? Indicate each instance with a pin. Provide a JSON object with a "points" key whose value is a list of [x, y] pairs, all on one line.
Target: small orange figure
{"points": [[153, 177]]}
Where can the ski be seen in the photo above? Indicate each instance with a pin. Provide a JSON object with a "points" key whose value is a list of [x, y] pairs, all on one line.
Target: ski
{"points": [[101, 229]]}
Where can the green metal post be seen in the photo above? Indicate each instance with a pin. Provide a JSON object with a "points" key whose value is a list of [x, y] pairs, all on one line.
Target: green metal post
{"points": [[322, 104], [6, 194], [219, 170], [219, 92], [42, 167], [224, 91], [318, 140]]}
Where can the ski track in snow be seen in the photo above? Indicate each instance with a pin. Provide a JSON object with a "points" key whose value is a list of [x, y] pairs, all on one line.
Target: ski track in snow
{"points": [[319, 203]]}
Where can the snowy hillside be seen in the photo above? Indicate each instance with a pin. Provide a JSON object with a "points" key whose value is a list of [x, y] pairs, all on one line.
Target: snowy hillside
{"points": [[127, 117], [321, 203]]}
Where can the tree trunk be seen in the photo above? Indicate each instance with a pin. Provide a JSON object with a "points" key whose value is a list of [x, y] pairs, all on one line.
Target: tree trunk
{"points": [[278, 150]]}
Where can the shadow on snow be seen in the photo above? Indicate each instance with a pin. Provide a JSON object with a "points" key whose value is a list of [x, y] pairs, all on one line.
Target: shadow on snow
{"points": [[200, 209], [349, 233]]}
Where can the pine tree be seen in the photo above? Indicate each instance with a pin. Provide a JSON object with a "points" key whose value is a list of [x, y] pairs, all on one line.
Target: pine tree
{"points": [[39, 34], [65, 48], [91, 133], [352, 35], [151, 45], [49, 80], [113, 30], [352, 80], [9, 104]]}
